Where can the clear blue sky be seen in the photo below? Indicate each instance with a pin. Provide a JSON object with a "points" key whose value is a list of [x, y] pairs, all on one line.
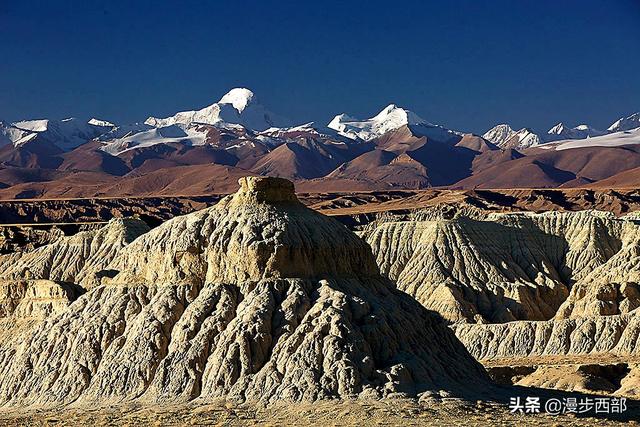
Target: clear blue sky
{"points": [[466, 64]]}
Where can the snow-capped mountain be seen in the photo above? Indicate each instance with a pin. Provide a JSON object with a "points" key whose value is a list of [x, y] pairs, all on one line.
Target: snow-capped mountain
{"points": [[499, 134], [121, 131], [561, 131], [102, 123], [505, 137], [525, 138], [237, 136], [614, 139], [390, 118], [238, 106], [9, 134], [626, 123], [65, 134], [187, 135], [274, 136], [237, 113]]}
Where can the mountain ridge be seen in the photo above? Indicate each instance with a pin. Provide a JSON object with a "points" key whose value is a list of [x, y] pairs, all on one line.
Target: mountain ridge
{"points": [[237, 135]]}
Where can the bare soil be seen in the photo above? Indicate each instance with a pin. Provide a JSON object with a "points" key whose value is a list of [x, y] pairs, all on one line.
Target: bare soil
{"points": [[400, 412]]}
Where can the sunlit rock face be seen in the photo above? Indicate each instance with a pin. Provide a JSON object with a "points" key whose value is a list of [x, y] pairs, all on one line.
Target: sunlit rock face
{"points": [[257, 298], [505, 267]]}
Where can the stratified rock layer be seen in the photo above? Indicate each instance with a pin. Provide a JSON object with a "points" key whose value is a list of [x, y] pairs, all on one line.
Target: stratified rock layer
{"points": [[562, 345], [509, 267], [257, 298], [39, 283], [73, 259], [35, 299], [610, 335]]}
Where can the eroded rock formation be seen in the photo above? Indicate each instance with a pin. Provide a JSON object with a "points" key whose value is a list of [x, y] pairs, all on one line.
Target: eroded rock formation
{"points": [[509, 267], [35, 299], [73, 259], [587, 354], [256, 298], [610, 335], [40, 283]]}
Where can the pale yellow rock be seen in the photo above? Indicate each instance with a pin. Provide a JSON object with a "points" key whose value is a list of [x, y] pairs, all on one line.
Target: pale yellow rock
{"points": [[630, 384], [73, 259], [507, 267], [612, 335], [257, 298], [35, 299]]}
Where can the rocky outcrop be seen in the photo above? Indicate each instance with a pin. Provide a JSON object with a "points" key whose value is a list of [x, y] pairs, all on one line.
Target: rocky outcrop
{"points": [[507, 267], [630, 384], [585, 354], [257, 298], [16, 238], [610, 335], [35, 299], [73, 259], [40, 283], [612, 287], [583, 378]]}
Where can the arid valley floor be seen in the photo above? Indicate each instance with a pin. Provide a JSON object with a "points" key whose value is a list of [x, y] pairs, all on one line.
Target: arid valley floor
{"points": [[406, 307]]}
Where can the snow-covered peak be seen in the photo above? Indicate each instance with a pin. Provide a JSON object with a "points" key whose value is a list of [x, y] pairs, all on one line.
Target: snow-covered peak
{"points": [[101, 123], [614, 139], [32, 125], [149, 136], [560, 131], [66, 134], [124, 131], [390, 118], [525, 138], [9, 134], [505, 137], [393, 117], [626, 123], [305, 127], [386, 111], [499, 134], [239, 97], [238, 106], [341, 118]]}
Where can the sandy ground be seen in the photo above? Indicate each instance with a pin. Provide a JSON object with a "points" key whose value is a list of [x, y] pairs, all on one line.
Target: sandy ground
{"points": [[446, 412]]}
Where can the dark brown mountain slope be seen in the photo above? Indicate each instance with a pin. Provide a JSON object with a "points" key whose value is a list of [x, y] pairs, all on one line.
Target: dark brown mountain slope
{"points": [[550, 168], [626, 179]]}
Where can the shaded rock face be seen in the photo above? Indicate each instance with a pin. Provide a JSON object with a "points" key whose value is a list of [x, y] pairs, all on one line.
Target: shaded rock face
{"points": [[612, 287], [553, 353], [257, 298], [509, 267], [587, 378], [606, 340], [16, 238], [630, 385]]}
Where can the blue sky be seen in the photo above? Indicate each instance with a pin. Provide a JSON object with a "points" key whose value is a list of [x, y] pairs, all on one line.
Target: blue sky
{"points": [[465, 64]]}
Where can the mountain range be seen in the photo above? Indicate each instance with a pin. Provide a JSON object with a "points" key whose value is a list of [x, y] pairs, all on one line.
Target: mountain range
{"points": [[206, 150]]}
